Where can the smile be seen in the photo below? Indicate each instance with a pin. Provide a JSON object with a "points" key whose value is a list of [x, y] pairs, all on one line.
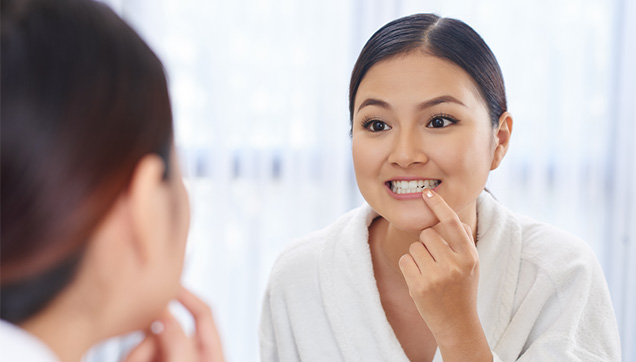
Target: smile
{"points": [[412, 186]]}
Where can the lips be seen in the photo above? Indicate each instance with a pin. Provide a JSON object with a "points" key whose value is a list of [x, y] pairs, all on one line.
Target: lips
{"points": [[412, 186]]}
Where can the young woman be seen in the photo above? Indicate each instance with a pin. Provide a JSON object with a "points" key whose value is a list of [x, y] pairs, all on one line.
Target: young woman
{"points": [[433, 268], [94, 211]]}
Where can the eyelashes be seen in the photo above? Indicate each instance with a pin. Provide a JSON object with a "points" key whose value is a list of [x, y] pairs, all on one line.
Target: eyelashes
{"points": [[439, 120], [375, 125]]}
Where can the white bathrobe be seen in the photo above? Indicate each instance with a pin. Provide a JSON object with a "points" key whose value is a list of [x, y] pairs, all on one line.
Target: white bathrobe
{"points": [[18, 345], [542, 295]]}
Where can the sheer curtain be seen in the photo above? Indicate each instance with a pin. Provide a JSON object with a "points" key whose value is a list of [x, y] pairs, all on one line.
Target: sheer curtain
{"points": [[259, 92]]}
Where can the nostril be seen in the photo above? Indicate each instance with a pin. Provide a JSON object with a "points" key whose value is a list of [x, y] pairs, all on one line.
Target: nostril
{"points": [[405, 156]]}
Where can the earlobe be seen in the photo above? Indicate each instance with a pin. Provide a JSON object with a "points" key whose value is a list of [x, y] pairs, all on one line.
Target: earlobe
{"points": [[502, 139]]}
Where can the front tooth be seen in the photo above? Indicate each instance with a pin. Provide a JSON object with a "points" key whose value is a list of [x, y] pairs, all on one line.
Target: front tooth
{"points": [[413, 186]]}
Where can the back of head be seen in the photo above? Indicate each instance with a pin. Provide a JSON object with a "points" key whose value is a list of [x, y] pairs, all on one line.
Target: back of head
{"points": [[446, 38], [83, 100]]}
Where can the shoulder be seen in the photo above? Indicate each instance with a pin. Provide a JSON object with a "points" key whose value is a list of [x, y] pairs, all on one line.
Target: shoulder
{"points": [[533, 242], [557, 255], [562, 296], [545, 244]]}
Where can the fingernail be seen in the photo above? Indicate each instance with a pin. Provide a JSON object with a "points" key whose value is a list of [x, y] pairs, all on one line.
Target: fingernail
{"points": [[428, 193], [156, 327]]}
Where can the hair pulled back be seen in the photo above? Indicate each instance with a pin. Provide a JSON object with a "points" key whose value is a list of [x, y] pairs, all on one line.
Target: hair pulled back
{"points": [[446, 38], [83, 100]]}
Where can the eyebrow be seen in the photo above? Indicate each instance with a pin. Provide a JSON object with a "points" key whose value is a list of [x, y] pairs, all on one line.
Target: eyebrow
{"points": [[426, 104]]}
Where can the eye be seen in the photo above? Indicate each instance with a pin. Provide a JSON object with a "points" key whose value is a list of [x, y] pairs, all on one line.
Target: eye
{"points": [[440, 122], [375, 125]]}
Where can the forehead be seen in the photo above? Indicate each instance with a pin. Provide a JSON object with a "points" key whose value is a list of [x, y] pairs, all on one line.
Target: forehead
{"points": [[415, 77]]}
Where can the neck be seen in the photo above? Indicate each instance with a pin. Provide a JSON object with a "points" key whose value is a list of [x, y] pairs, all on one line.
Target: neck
{"points": [[65, 327]]}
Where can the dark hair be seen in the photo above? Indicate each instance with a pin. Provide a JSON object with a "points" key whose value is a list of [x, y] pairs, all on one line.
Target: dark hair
{"points": [[83, 100], [445, 38]]}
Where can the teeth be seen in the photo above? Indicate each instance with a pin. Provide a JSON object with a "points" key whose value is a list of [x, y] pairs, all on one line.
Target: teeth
{"points": [[414, 186]]}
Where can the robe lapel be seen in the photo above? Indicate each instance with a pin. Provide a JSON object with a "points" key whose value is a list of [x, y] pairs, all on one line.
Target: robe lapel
{"points": [[499, 246], [351, 297]]}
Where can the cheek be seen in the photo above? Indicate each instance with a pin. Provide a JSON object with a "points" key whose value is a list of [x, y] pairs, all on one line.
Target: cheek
{"points": [[368, 158], [469, 161]]}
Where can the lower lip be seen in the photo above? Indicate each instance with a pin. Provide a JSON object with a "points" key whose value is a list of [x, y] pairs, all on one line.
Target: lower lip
{"points": [[416, 195]]}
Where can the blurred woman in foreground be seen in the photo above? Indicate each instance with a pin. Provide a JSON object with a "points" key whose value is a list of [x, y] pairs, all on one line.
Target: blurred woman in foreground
{"points": [[94, 211]]}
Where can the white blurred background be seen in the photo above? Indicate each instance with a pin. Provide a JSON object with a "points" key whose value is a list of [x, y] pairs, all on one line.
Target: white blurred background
{"points": [[259, 91]]}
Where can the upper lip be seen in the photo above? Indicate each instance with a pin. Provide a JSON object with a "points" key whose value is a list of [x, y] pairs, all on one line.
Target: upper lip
{"points": [[411, 178]]}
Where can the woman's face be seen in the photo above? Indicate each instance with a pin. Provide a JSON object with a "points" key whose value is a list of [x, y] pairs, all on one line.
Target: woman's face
{"points": [[420, 121]]}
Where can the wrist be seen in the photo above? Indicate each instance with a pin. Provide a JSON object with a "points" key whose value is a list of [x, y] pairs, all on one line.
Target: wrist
{"points": [[463, 342]]}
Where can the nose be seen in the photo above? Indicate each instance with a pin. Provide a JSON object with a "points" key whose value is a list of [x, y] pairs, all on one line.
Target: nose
{"points": [[407, 150]]}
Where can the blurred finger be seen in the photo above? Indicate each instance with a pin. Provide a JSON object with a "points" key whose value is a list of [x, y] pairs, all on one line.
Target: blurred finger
{"points": [[206, 337], [144, 352], [173, 343]]}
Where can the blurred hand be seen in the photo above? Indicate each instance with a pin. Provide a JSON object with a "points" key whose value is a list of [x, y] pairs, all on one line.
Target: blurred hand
{"points": [[173, 345]]}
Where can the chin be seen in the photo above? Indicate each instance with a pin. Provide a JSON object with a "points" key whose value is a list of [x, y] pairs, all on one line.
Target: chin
{"points": [[411, 221]]}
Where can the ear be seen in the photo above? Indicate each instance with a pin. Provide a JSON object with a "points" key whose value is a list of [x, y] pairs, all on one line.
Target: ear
{"points": [[145, 196], [123, 238], [502, 139]]}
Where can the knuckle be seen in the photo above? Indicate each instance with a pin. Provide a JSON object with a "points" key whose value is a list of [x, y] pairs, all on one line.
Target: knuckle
{"points": [[470, 262], [456, 273], [435, 283], [453, 222], [420, 290], [474, 263]]}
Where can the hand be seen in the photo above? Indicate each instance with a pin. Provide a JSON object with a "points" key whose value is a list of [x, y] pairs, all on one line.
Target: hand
{"points": [[442, 274], [172, 344]]}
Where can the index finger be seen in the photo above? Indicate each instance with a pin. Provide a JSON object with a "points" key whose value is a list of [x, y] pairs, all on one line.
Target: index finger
{"points": [[448, 219], [207, 337]]}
